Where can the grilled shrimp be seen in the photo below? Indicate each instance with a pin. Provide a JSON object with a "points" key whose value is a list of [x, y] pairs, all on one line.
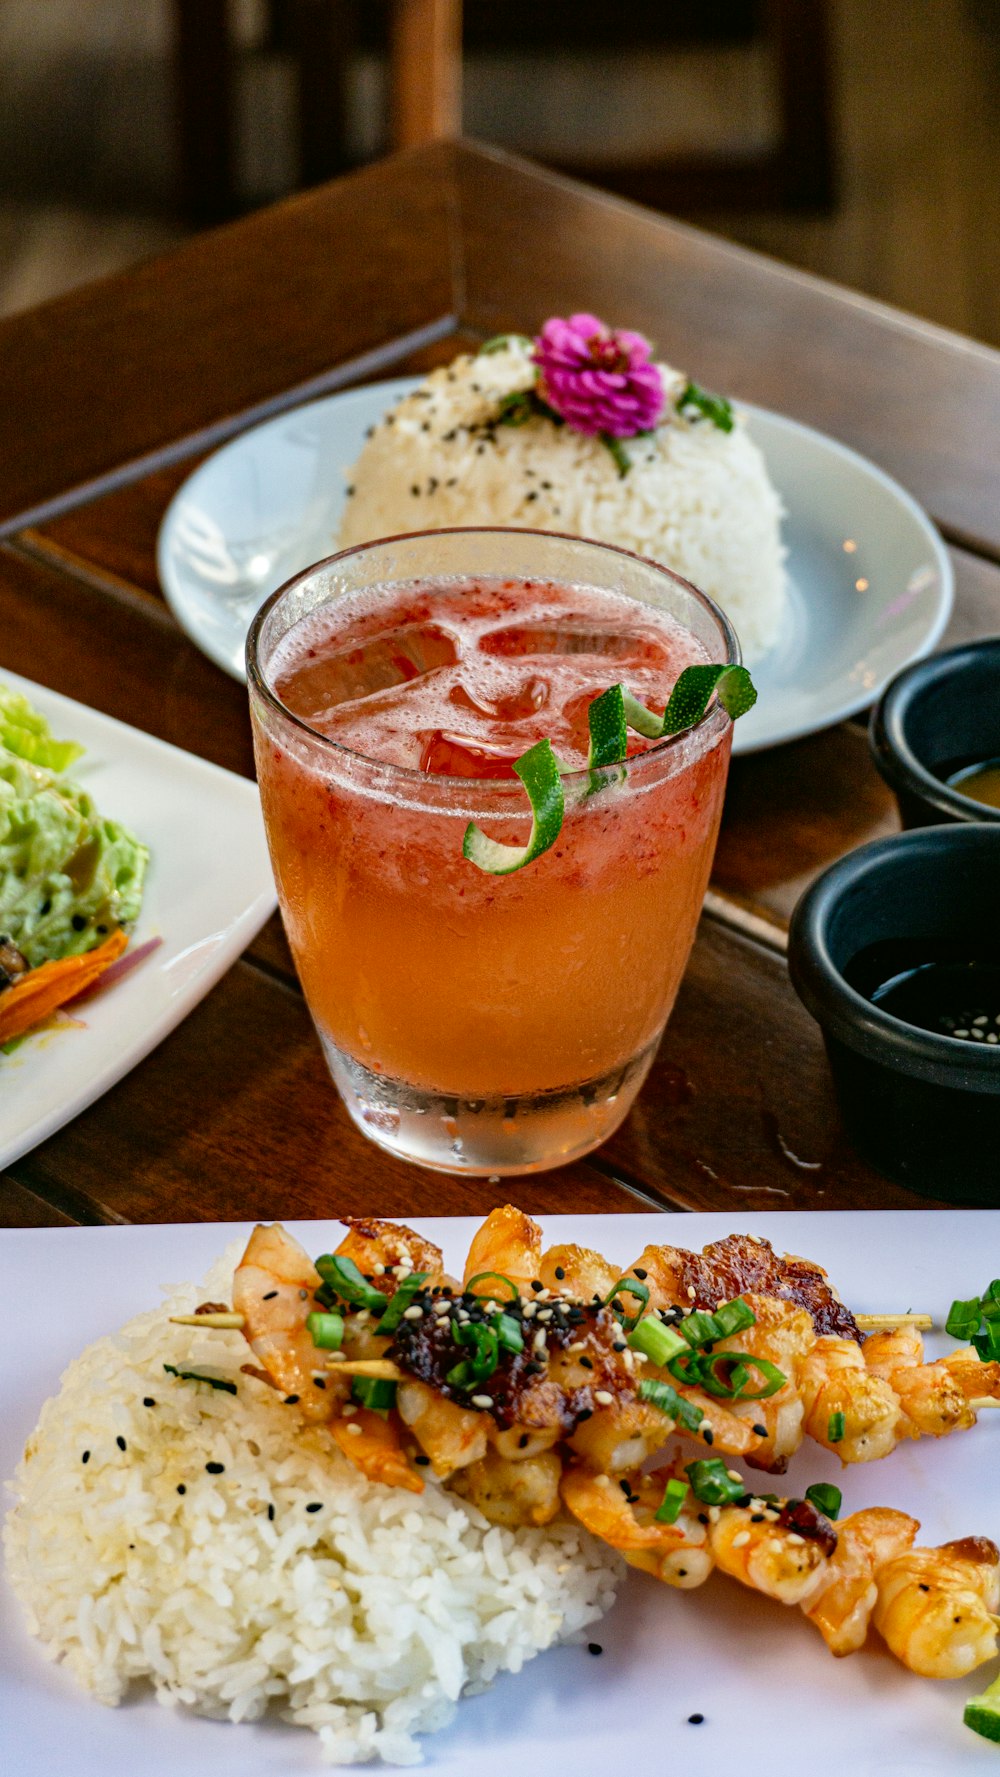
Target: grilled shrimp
{"points": [[834, 1380], [373, 1445], [377, 1247], [512, 1493], [930, 1395], [782, 1552], [452, 1436], [577, 1271], [508, 1242], [273, 1289], [782, 1333], [842, 1604], [677, 1553], [936, 1607]]}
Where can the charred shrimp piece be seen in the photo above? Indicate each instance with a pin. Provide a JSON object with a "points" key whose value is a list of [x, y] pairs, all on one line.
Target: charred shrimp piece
{"points": [[781, 1548], [936, 1608], [450, 1436], [274, 1289], [374, 1445], [578, 1272], [934, 1398], [847, 1408], [842, 1604], [737, 1266], [509, 1244], [389, 1250], [623, 1515], [512, 1493]]}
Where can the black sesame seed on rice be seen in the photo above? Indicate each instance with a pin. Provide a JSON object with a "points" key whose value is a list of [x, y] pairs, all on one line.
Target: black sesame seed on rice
{"points": [[120, 1441], [215, 1468]]}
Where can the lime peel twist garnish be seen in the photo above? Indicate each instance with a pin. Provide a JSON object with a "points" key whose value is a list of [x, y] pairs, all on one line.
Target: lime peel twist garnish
{"points": [[609, 718], [982, 1713]]}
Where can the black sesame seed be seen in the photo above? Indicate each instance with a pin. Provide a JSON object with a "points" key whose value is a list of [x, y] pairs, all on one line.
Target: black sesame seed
{"points": [[586, 1363], [761, 1430], [350, 495], [415, 491], [181, 1487], [619, 1345], [594, 1647], [638, 1272], [523, 1441], [121, 1443], [537, 1284], [708, 1435], [215, 1468], [78, 922], [531, 496], [703, 1517], [319, 1382], [756, 1517], [626, 1488], [696, 1720], [148, 1401], [270, 1296], [290, 1400], [270, 1514], [585, 1413], [315, 1505], [86, 1456], [422, 1461], [560, 1273]]}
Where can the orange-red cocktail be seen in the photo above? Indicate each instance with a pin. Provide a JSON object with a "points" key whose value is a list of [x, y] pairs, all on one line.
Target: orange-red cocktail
{"points": [[492, 1024]]}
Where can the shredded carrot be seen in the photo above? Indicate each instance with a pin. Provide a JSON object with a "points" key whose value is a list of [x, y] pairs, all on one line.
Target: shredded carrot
{"points": [[42, 991]]}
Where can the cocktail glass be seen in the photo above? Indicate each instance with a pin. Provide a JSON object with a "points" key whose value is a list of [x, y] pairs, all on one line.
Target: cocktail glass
{"points": [[478, 1023]]}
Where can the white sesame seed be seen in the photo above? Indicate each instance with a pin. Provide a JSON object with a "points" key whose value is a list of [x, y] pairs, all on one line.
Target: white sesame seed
{"points": [[538, 1342], [991, 1037], [577, 1345], [442, 1305], [628, 1359], [982, 1020], [692, 1292], [545, 1314], [378, 1270], [348, 1410], [413, 1313], [528, 1311], [336, 1357], [794, 1537], [604, 1398], [741, 1537], [959, 1033], [733, 1476], [355, 1430], [482, 1400]]}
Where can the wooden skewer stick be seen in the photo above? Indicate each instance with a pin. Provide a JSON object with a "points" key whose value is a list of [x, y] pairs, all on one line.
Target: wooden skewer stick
{"points": [[221, 1323], [887, 1323], [382, 1368], [981, 1403]]}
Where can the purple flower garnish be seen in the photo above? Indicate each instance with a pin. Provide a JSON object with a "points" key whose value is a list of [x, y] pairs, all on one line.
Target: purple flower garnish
{"points": [[599, 379]]}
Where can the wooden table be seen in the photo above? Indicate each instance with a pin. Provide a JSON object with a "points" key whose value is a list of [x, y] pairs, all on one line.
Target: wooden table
{"points": [[110, 395]]}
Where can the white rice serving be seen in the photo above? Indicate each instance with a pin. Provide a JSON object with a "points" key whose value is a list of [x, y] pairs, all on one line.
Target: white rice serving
{"points": [[696, 498], [364, 1620]]}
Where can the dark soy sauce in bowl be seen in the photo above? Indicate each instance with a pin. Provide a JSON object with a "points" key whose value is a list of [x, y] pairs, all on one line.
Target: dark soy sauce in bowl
{"points": [[932, 986]]}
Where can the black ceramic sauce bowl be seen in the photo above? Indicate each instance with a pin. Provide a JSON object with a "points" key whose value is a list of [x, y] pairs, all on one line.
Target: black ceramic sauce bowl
{"points": [[935, 717], [923, 1107]]}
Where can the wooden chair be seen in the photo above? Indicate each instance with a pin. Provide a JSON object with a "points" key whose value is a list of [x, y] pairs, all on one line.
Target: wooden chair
{"points": [[425, 84]]}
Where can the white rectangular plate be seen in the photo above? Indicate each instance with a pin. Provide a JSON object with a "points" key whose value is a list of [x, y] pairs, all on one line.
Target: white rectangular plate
{"points": [[208, 892], [774, 1700]]}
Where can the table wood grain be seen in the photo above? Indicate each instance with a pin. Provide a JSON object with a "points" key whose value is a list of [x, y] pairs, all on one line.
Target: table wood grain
{"points": [[114, 393]]}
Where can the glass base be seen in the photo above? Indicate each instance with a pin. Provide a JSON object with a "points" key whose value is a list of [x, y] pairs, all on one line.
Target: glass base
{"points": [[493, 1137]]}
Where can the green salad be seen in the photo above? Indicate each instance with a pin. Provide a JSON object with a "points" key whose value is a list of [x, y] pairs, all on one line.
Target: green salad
{"points": [[70, 878]]}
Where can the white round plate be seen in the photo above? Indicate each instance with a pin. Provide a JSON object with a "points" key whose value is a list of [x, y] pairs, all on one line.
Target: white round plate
{"points": [[870, 584]]}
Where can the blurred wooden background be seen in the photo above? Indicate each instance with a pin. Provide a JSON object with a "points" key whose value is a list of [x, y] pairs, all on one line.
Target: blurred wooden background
{"points": [[88, 143]]}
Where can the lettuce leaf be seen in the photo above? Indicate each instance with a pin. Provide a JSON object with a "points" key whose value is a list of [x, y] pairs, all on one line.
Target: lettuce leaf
{"points": [[26, 734]]}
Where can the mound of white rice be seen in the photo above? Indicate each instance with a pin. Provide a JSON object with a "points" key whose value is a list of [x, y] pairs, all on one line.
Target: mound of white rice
{"points": [[364, 1620], [696, 498]]}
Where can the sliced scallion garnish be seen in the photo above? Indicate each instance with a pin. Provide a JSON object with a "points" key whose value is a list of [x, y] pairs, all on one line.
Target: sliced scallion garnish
{"points": [[673, 1499], [325, 1330], [610, 717], [629, 1286], [710, 1371], [660, 1394], [656, 1341], [407, 1289], [374, 1392], [735, 1317], [508, 1331], [500, 1278], [218, 1382], [345, 1280], [835, 1428], [712, 1483], [965, 1319], [700, 1328], [484, 1344], [826, 1498]]}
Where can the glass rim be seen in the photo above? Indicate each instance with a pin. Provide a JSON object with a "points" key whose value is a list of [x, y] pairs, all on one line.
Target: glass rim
{"points": [[412, 774]]}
